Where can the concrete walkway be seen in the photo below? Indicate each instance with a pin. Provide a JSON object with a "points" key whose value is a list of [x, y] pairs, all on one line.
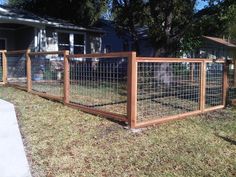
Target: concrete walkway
{"points": [[13, 162]]}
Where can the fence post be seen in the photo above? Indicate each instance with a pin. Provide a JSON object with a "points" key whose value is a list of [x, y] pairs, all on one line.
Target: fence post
{"points": [[28, 70], [132, 90], [235, 72], [66, 78], [225, 82], [203, 86], [4, 67]]}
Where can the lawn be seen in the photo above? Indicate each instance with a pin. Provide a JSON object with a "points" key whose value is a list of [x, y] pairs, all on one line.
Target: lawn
{"points": [[65, 142]]}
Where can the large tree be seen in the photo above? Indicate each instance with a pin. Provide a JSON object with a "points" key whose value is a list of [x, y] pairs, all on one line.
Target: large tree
{"points": [[172, 24], [82, 12]]}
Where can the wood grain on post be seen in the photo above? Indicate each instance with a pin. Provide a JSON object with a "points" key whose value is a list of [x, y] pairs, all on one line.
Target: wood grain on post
{"points": [[203, 86], [28, 70], [4, 67], [66, 78], [132, 90], [225, 83]]}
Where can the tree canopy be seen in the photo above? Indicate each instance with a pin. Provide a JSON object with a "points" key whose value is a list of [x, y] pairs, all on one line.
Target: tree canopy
{"points": [[171, 25], [175, 24], [82, 12]]}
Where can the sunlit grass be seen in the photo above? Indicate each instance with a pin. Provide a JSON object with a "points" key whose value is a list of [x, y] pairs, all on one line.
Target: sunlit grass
{"points": [[65, 142]]}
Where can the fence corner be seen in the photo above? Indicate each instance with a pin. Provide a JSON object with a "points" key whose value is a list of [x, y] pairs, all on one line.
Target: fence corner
{"points": [[132, 90]]}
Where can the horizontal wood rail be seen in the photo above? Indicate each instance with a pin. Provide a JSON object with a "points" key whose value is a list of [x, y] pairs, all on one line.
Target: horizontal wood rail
{"points": [[47, 53], [131, 91], [177, 60], [24, 88], [213, 108], [166, 119], [97, 112], [101, 55], [15, 52], [175, 117], [47, 96]]}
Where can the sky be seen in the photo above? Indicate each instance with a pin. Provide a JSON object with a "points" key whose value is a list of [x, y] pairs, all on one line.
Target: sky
{"points": [[200, 4], [2, 1]]}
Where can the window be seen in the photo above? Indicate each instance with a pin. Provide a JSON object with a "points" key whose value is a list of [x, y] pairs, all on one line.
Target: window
{"points": [[2, 44], [52, 43], [64, 41], [75, 43], [79, 44]]}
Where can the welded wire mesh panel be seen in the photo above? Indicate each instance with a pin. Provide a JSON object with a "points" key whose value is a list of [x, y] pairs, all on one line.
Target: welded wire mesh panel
{"points": [[100, 84], [1, 69], [47, 73], [231, 82], [167, 89], [214, 84], [16, 66]]}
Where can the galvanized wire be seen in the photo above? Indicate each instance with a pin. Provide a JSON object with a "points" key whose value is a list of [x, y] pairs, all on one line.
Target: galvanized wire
{"points": [[232, 86], [100, 84], [167, 89], [214, 84], [47, 72], [16, 69]]}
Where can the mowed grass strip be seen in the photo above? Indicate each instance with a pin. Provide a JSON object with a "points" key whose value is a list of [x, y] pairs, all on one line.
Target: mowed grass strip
{"points": [[64, 142]]}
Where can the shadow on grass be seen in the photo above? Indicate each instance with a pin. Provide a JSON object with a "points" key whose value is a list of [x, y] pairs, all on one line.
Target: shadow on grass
{"points": [[233, 142]]}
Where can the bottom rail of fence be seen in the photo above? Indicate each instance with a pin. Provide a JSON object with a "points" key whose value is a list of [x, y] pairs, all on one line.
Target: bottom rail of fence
{"points": [[175, 117], [106, 114]]}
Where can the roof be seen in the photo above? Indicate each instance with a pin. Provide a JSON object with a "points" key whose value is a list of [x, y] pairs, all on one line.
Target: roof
{"points": [[221, 41], [14, 15], [142, 32]]}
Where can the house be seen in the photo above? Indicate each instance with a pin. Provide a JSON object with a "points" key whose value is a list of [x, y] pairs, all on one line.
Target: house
{"points": [[211, 47], [20, 29], [214, 48], [114, 42]]}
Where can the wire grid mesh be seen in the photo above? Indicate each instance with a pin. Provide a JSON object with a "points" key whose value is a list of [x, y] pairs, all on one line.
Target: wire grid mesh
{"points": [[47, 73], [100, 84], [214, 84], [1, 67], [167, 89], [16, 69], [231, 82]]}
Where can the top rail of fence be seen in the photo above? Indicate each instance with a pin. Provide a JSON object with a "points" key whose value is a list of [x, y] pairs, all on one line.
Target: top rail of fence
{"points": [[48, 53], [15, 52], [161, 59], [101, 55]]}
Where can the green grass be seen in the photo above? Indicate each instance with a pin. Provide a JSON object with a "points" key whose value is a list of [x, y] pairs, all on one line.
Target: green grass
{"points": [[65, 142]]}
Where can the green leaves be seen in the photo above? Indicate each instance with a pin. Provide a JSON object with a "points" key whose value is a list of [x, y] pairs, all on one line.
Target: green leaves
{"points": [[175, 24], [83, 12]]}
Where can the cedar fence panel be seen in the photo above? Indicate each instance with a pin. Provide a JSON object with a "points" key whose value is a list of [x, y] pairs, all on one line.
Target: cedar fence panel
{"points": [[141, 91]]}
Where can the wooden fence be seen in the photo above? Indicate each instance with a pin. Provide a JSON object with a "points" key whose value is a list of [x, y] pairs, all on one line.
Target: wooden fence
{"points": [[141, 91]]}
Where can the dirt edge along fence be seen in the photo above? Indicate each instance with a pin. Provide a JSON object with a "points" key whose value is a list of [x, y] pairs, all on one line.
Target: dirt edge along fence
{"points": [[141, 91]]}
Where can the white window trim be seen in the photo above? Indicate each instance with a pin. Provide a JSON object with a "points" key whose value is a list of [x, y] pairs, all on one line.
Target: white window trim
{"points": [[71, 33]]}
